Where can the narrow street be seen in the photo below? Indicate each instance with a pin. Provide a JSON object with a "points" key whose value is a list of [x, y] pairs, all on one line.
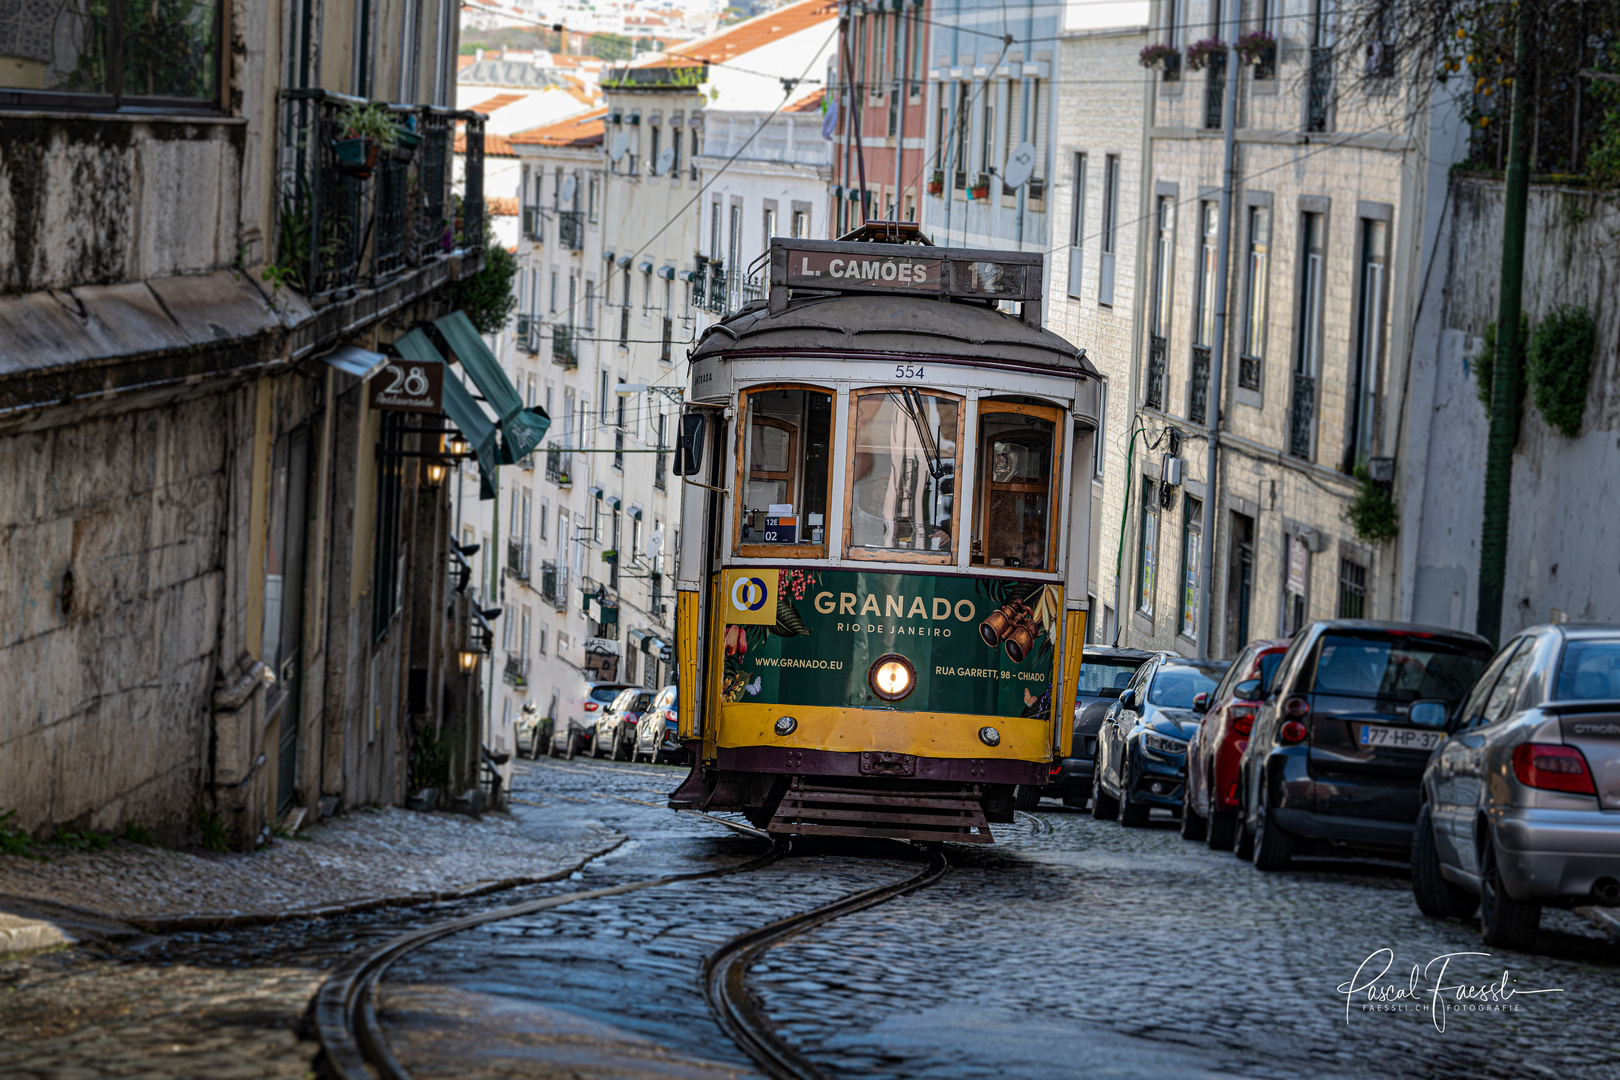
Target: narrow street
{"points": [[1071, 947]]}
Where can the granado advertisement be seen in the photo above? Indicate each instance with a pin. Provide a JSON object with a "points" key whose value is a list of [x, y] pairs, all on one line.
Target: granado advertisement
{"points": [[982, 646]]}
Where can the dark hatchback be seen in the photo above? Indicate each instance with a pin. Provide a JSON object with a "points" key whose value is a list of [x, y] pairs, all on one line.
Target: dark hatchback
{"points": [[1104, 675], [1340, 744]]}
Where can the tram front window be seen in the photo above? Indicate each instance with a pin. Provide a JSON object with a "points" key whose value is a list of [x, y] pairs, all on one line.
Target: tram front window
{"points": [[1013, 523], [903, 463], [786, 454]]}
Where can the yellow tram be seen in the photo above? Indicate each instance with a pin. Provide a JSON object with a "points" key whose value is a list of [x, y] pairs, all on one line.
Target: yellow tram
{"points": [[884, 544]]}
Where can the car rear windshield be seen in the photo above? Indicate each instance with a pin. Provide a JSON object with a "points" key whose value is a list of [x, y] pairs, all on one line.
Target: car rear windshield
{"points": [[605, 693], [1100, 678], [1397, 666], [1590, 671], [1175, 687]]}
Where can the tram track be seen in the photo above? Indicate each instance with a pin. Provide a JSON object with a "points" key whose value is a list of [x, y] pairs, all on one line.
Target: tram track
{"points": [[354, 1046]]}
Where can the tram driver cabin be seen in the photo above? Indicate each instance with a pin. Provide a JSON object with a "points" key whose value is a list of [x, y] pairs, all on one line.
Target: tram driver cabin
{"points": [[882, 572]]}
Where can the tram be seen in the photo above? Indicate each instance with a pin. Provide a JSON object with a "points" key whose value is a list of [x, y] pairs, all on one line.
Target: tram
{"points": [[881, 582]]}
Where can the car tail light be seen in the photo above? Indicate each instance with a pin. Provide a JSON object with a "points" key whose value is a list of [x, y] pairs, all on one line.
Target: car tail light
{"points": [[1293, 731], [590, 706], [1057, 767], [1553, 768], [1297, 708], [1242, 719]]}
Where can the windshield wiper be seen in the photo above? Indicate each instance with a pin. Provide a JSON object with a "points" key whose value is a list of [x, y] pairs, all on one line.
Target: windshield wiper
{"points": [[911, 404]]}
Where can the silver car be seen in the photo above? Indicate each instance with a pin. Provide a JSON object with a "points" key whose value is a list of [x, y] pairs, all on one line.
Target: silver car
{"points": [[1521, 802]]}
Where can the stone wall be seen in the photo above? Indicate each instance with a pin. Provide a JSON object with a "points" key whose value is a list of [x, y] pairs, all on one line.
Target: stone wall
{"points": [[1564, 533]]}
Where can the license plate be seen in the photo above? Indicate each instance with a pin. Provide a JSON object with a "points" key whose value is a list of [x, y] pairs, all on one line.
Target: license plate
{"points": [[1399, 738]]}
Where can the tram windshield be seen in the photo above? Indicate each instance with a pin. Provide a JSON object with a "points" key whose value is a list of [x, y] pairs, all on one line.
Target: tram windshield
{"points": [[1014, 515], [785, 469], [903, 464]]}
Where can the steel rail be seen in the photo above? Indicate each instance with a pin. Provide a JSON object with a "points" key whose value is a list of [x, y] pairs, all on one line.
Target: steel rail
{"points": [[344, 1011], [725, 973]]}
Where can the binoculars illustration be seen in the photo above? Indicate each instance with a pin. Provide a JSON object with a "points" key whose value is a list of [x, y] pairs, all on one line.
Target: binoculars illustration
{"points": [[1013, 625]]}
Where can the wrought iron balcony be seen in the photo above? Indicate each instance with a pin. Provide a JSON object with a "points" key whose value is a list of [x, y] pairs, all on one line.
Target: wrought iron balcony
{"points": [[666, 341], [563, 351], [700, 281], [554, 584], [753, 288], [1214, 90], [526, 334], [571, 229], [1198, 386], [517, 559], [1301, 415], [557, 466], [1319, 88], [1249, 372], [717, 288], [517, 670], [1154, 396], [624, 327]]}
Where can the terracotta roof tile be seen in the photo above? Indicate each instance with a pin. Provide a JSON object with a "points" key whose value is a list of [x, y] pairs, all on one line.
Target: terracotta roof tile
{"points": [[809, 103], [502, 206], [585, 129], [733, 41], [494, 145], [499, 101]]}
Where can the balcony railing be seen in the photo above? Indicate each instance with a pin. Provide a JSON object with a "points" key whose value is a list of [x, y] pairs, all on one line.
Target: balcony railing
{"points": [[557, 466], [554, 584], [571, 229], [1319, 90], [1249, 372], [667, 340], [624, 327], [1301, 414], [526, 334], [343, 224], [1198, 386], [517, 559], [717, 288], [517, 670], [1214, 90], [1154, 396], [533, 225], [563, 351], [753, 288]]}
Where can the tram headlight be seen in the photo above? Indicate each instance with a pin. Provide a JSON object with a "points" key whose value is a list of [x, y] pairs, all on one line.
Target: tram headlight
{"points": [[785, 725], [892, 677], [990, 736]]}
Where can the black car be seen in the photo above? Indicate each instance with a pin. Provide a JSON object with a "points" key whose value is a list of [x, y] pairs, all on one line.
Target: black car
{"points": [[1339, 746], [1104, 674], [1142, 745]]}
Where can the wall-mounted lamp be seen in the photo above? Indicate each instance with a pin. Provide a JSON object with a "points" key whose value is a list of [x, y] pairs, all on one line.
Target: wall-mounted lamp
{"points": [[435, 474], [458, 446], [468, 661]]}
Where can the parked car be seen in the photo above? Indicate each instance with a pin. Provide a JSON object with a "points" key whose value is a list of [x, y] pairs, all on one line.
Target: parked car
{"points": [[1104, 674], [615, 734], [656, 738], [1521, 802], [533, 731], [1142, 744], [573, 734], [1209, 807], [1339, 745]]}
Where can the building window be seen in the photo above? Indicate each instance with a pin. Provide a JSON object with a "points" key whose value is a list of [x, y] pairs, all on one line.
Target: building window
{"points": [[714, 233], [545, 512], [987, 129], [959, 139], [1147, 556], [1296, 582], [734, 255], [542, 642], [109, 55], [801, 225], [660, 466], [1307, 358], [1352, 589], [652, 157], [554, 291], [1255, 289], [1110, 230], [1192, 565], [590, 306], [1164, 266], [1098, 445], [1204, 319], [607, 399], [592, 198], [1369, 341], [770, 229], [1077, 223]]}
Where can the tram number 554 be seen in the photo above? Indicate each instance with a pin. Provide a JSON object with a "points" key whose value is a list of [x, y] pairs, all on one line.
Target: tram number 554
{"points": [[907, 371]]}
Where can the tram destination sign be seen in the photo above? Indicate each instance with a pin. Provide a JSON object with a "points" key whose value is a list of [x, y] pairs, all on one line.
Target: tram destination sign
{"points": [[840, 269]]}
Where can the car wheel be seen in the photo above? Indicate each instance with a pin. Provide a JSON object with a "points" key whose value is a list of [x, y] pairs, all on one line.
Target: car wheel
{"points": [[1027, 797], [1104, 807], [1221, 832], [1133, 815], [1503, 920], [1273, 845], [1194, 825], [1435, 896], [1077, 802]]}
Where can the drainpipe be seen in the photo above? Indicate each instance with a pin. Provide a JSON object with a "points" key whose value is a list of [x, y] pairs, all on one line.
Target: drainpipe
{"points": [[900, 72], [1217, 351]]}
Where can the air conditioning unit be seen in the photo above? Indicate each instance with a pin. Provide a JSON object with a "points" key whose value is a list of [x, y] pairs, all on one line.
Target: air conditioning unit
{"points": [[1172, 471]]}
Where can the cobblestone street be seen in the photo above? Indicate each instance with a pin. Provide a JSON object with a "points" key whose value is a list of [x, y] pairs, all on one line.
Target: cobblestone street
{"points": [[1070, 948]]}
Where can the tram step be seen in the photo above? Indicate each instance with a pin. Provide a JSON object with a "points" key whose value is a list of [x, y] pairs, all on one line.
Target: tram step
{"points": [[807, 809]]}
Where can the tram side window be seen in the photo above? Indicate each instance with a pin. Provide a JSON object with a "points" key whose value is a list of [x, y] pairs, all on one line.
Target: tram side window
{"points": [[785, 468], [1016, 469], [903, 465]]}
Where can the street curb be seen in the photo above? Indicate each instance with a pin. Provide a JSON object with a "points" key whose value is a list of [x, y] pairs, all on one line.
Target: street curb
{"points": [[1605, 919], [212, 921]]}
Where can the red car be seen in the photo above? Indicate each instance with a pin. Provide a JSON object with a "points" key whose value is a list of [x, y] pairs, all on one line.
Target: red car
{"points": [[1211, 802]]}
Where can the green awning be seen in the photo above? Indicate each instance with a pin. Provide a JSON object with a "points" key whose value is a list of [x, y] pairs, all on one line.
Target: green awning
{"points": [[521, 429], [473, 423]]}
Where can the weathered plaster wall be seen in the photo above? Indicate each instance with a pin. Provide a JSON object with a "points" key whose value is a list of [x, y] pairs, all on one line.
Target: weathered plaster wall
{"points": [[1564, 531]]}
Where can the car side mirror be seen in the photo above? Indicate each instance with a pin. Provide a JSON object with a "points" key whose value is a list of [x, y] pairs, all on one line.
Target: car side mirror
{"points": [[1248, 688], [1428, 714], [689, 447], [1201, 702], [1127, 699]]}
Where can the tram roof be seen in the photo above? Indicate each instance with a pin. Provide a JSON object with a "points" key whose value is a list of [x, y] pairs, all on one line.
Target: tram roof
{"points": [[892, 325]]}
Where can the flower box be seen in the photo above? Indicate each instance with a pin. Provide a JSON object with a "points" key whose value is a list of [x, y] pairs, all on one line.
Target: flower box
{"points": [[1160, 57], [405, 145], [1210, 52], [1257, 48], [936, 183], [357, 157], [980, 188]]}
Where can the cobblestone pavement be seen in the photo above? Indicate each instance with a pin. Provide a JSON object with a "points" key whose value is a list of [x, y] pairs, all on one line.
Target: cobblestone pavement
{"points": [[366, 854]]}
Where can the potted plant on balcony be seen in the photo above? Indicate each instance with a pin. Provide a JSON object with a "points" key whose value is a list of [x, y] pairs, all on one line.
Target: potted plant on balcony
{"points": [[936, 182], [609, 555], [369, 129], [981, 187], [1257, 47], [1205, 53], [407, 140], [1160, 57]]}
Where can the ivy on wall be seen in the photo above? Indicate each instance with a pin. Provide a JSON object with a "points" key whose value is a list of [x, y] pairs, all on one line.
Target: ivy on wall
{"points": [[487, 296], [1372, 512], [1485, 363], [1559, 367]]}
